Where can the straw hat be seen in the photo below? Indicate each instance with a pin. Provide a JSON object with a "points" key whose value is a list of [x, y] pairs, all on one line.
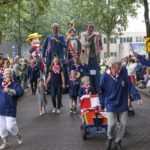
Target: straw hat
{"points": [[32, 36]]}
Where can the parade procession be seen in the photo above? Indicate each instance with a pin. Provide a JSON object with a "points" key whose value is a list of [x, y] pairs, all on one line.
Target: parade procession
{"points": [[74, 75]]}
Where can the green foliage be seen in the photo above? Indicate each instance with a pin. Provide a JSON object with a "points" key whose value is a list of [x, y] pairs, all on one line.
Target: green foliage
{"points": [[109, 16]]}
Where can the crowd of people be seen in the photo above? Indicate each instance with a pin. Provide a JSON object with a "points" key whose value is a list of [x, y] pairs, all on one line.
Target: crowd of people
{"points": [[65, 63]]}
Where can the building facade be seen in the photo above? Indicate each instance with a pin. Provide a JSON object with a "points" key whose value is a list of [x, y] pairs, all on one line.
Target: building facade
{"points": [[123, 45]]}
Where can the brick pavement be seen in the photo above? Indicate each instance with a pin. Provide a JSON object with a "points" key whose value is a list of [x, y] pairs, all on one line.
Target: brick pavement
{"points": [[62, 132]]}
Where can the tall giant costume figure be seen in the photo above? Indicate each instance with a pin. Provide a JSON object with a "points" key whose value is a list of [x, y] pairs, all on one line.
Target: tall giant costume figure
{"points": [[91, 46], [74, 44], [35, 52]]}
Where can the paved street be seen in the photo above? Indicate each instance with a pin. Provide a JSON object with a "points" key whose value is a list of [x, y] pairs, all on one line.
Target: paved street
{"points": [[62, 132]]}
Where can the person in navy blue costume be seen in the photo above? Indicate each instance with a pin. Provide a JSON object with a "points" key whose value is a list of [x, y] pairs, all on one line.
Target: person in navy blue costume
{"points": [[57, 82], [33, 75], [90, 52], [73, 90], [54, 45], [86, 88], [10, 91], [77, 66], [142, 59], [114, 90]]}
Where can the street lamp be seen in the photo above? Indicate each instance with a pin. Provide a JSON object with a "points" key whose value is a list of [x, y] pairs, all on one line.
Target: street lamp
{"points": [[19, 29]]}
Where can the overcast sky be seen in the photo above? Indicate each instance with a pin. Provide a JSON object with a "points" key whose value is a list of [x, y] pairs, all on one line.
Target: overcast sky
{"points": [[137, 24]]}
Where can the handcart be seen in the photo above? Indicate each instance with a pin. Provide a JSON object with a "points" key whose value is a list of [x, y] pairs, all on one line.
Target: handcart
{"points": [[94, 120]]}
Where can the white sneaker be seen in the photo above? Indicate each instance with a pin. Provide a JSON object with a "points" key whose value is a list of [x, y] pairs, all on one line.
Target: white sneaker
{"points": [[4, 146], [20, 141], [41, 113], [58, 111], [54, 110]]}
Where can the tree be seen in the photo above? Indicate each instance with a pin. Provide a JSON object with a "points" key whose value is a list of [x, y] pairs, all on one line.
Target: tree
{"points": [[16, 25], [109, 16]]}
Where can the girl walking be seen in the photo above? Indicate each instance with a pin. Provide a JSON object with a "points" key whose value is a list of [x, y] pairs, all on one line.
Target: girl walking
{"points": [[57, 82]]}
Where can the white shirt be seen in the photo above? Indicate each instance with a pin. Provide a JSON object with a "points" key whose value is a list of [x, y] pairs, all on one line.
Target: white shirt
{"points": [[131, 69]]}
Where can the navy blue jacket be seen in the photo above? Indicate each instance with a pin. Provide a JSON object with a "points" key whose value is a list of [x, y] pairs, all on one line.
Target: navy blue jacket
{"points": [[114, 92], [8, 102], [33, 73], [144, 61], [83, 91], [74, 88], [52, 48]]}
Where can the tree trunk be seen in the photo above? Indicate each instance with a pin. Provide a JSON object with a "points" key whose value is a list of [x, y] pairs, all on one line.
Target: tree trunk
{"points": [[147, 22], [108, 45]]}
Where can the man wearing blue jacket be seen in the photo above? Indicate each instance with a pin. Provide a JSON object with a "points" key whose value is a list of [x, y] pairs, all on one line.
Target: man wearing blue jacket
{"points": [[142, 59], [114, 90], [54, 45]]}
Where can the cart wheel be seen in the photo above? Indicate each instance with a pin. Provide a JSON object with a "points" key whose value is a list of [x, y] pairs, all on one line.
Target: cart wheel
{"points": [[85, 136]]}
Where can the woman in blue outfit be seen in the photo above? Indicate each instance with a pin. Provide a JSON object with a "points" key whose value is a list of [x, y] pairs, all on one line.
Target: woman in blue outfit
{"points": [[33, 75], [57, 82], [10, 91]]}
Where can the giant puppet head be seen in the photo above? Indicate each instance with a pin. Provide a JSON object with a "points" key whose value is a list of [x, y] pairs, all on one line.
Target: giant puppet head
{"points": [[34, 40]]}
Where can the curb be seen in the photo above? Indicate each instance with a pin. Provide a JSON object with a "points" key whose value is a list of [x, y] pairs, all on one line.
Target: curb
{"points": [[144, 92]]}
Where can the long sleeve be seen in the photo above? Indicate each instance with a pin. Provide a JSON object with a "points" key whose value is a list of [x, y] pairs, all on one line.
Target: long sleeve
{"points": [[102, 91], [19, 90], [45, 46], [133, 91], [144, 61], [63, 42]]}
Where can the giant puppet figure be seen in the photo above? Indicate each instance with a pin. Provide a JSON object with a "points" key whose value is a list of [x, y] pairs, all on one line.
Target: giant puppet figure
{"points": [[35, 52], [91, 46], [55, 45], [74, 44]]}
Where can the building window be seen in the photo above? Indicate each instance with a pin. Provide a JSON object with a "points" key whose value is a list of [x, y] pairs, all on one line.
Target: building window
{"points": [[139, 39], [129, 39], [115, 54], [113, 40], [121, 40], [105, 55], [105, 40]]}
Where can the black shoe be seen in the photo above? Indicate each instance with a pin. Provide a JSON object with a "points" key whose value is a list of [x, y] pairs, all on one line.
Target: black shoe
{"points": [[131, 111], [118, 146], [108, 144]]}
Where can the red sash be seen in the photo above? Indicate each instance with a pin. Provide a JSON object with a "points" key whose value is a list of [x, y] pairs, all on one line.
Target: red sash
{"points": [[72, 49]]}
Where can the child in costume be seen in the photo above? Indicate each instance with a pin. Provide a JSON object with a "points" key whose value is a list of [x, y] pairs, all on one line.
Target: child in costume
{"points": [[57, 82], [73, 91], [42, 96], [86, 88], [33, 75]]}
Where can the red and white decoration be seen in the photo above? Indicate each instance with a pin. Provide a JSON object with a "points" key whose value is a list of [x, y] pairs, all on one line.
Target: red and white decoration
{"points": [[89, 101]]}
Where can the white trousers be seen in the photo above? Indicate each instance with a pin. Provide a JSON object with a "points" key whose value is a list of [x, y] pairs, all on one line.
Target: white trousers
{"points": [[8, 124]]}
